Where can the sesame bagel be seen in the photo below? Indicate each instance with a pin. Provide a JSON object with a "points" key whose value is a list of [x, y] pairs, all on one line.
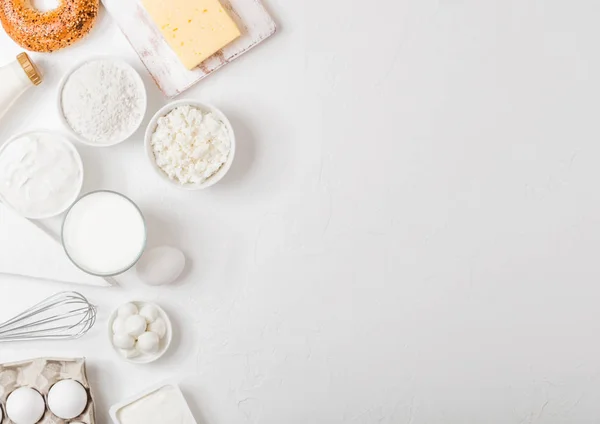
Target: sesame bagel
{"points": [[39, 31]]}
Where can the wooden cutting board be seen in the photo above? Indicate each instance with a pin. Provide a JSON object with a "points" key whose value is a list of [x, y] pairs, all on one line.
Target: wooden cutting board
{"points": [[169, 74]]}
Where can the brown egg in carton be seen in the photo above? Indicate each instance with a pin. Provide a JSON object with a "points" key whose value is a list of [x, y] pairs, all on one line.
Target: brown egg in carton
{"points": [[41, 374]]}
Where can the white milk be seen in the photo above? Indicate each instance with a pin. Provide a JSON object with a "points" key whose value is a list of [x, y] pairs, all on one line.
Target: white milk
{"points": [[104, 233]]}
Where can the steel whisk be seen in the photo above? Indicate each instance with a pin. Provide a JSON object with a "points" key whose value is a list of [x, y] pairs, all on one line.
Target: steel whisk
{"points": [[64, 316]]}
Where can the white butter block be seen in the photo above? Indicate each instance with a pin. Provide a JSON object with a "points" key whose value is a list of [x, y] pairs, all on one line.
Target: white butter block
{"points": [[139, 407]]}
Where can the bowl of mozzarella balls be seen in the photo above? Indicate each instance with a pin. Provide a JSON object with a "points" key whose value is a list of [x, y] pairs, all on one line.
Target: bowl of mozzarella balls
{"points": [[140, 332], [190, 144]]}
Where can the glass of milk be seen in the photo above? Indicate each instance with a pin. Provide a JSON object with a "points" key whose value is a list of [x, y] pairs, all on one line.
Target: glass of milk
{"points": [[104, 233]]}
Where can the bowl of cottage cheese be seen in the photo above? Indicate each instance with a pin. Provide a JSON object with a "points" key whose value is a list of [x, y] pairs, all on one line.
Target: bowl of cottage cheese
{"points": [[190, 144]]}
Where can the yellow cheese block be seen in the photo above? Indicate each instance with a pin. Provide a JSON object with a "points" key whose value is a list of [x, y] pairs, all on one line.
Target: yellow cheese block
{"points": [[195, 29]]}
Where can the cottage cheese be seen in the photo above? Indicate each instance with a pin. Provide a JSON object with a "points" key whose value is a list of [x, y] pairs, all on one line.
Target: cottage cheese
{"points": [[190, 145]]}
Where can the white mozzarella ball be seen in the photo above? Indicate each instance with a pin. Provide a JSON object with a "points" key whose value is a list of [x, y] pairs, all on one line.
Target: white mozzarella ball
{"points": [[128, 309], [135, 325], [130, 353], [67, 399], [150, 312], [25, 406], [118, 325], [148, 342], [159, 327], [123, 341]]}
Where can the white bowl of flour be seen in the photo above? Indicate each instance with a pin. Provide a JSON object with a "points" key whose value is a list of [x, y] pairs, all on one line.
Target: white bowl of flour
{"points": [[102, 101]]}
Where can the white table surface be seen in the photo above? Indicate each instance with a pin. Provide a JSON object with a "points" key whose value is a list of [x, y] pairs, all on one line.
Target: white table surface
{"points": [[409, 233]]}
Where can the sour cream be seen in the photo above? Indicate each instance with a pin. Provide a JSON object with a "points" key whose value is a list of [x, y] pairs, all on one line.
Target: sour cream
{"points": [[104, 233], [41, 174]]}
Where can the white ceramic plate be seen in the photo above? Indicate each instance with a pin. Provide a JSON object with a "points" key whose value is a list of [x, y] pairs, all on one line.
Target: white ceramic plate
{"points": [[79, 137], [62, 139], [205, 108], [144, 358], [189, 418]]}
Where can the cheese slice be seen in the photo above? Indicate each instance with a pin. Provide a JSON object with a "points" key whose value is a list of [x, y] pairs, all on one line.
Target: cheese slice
{"points": [[195, 29], [28, 251]]}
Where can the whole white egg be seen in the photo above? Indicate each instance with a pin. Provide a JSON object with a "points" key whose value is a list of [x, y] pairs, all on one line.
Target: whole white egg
{"points": [[135, 325], [25, 406], [161, 265], [67, 399], [148, 342]]}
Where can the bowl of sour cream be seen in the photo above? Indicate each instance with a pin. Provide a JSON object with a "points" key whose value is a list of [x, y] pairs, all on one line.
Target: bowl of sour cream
{"points": [[104, 233], [41, 174]]}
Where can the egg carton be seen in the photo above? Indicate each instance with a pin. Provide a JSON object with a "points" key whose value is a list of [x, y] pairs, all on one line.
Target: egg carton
{"points": [[41, 374]]}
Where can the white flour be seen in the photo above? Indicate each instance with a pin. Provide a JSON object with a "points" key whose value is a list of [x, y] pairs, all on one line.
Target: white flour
{"points": [[103, 101]]}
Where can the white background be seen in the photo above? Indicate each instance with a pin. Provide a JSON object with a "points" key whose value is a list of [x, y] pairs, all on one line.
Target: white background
{"points": [[409, 233]]}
